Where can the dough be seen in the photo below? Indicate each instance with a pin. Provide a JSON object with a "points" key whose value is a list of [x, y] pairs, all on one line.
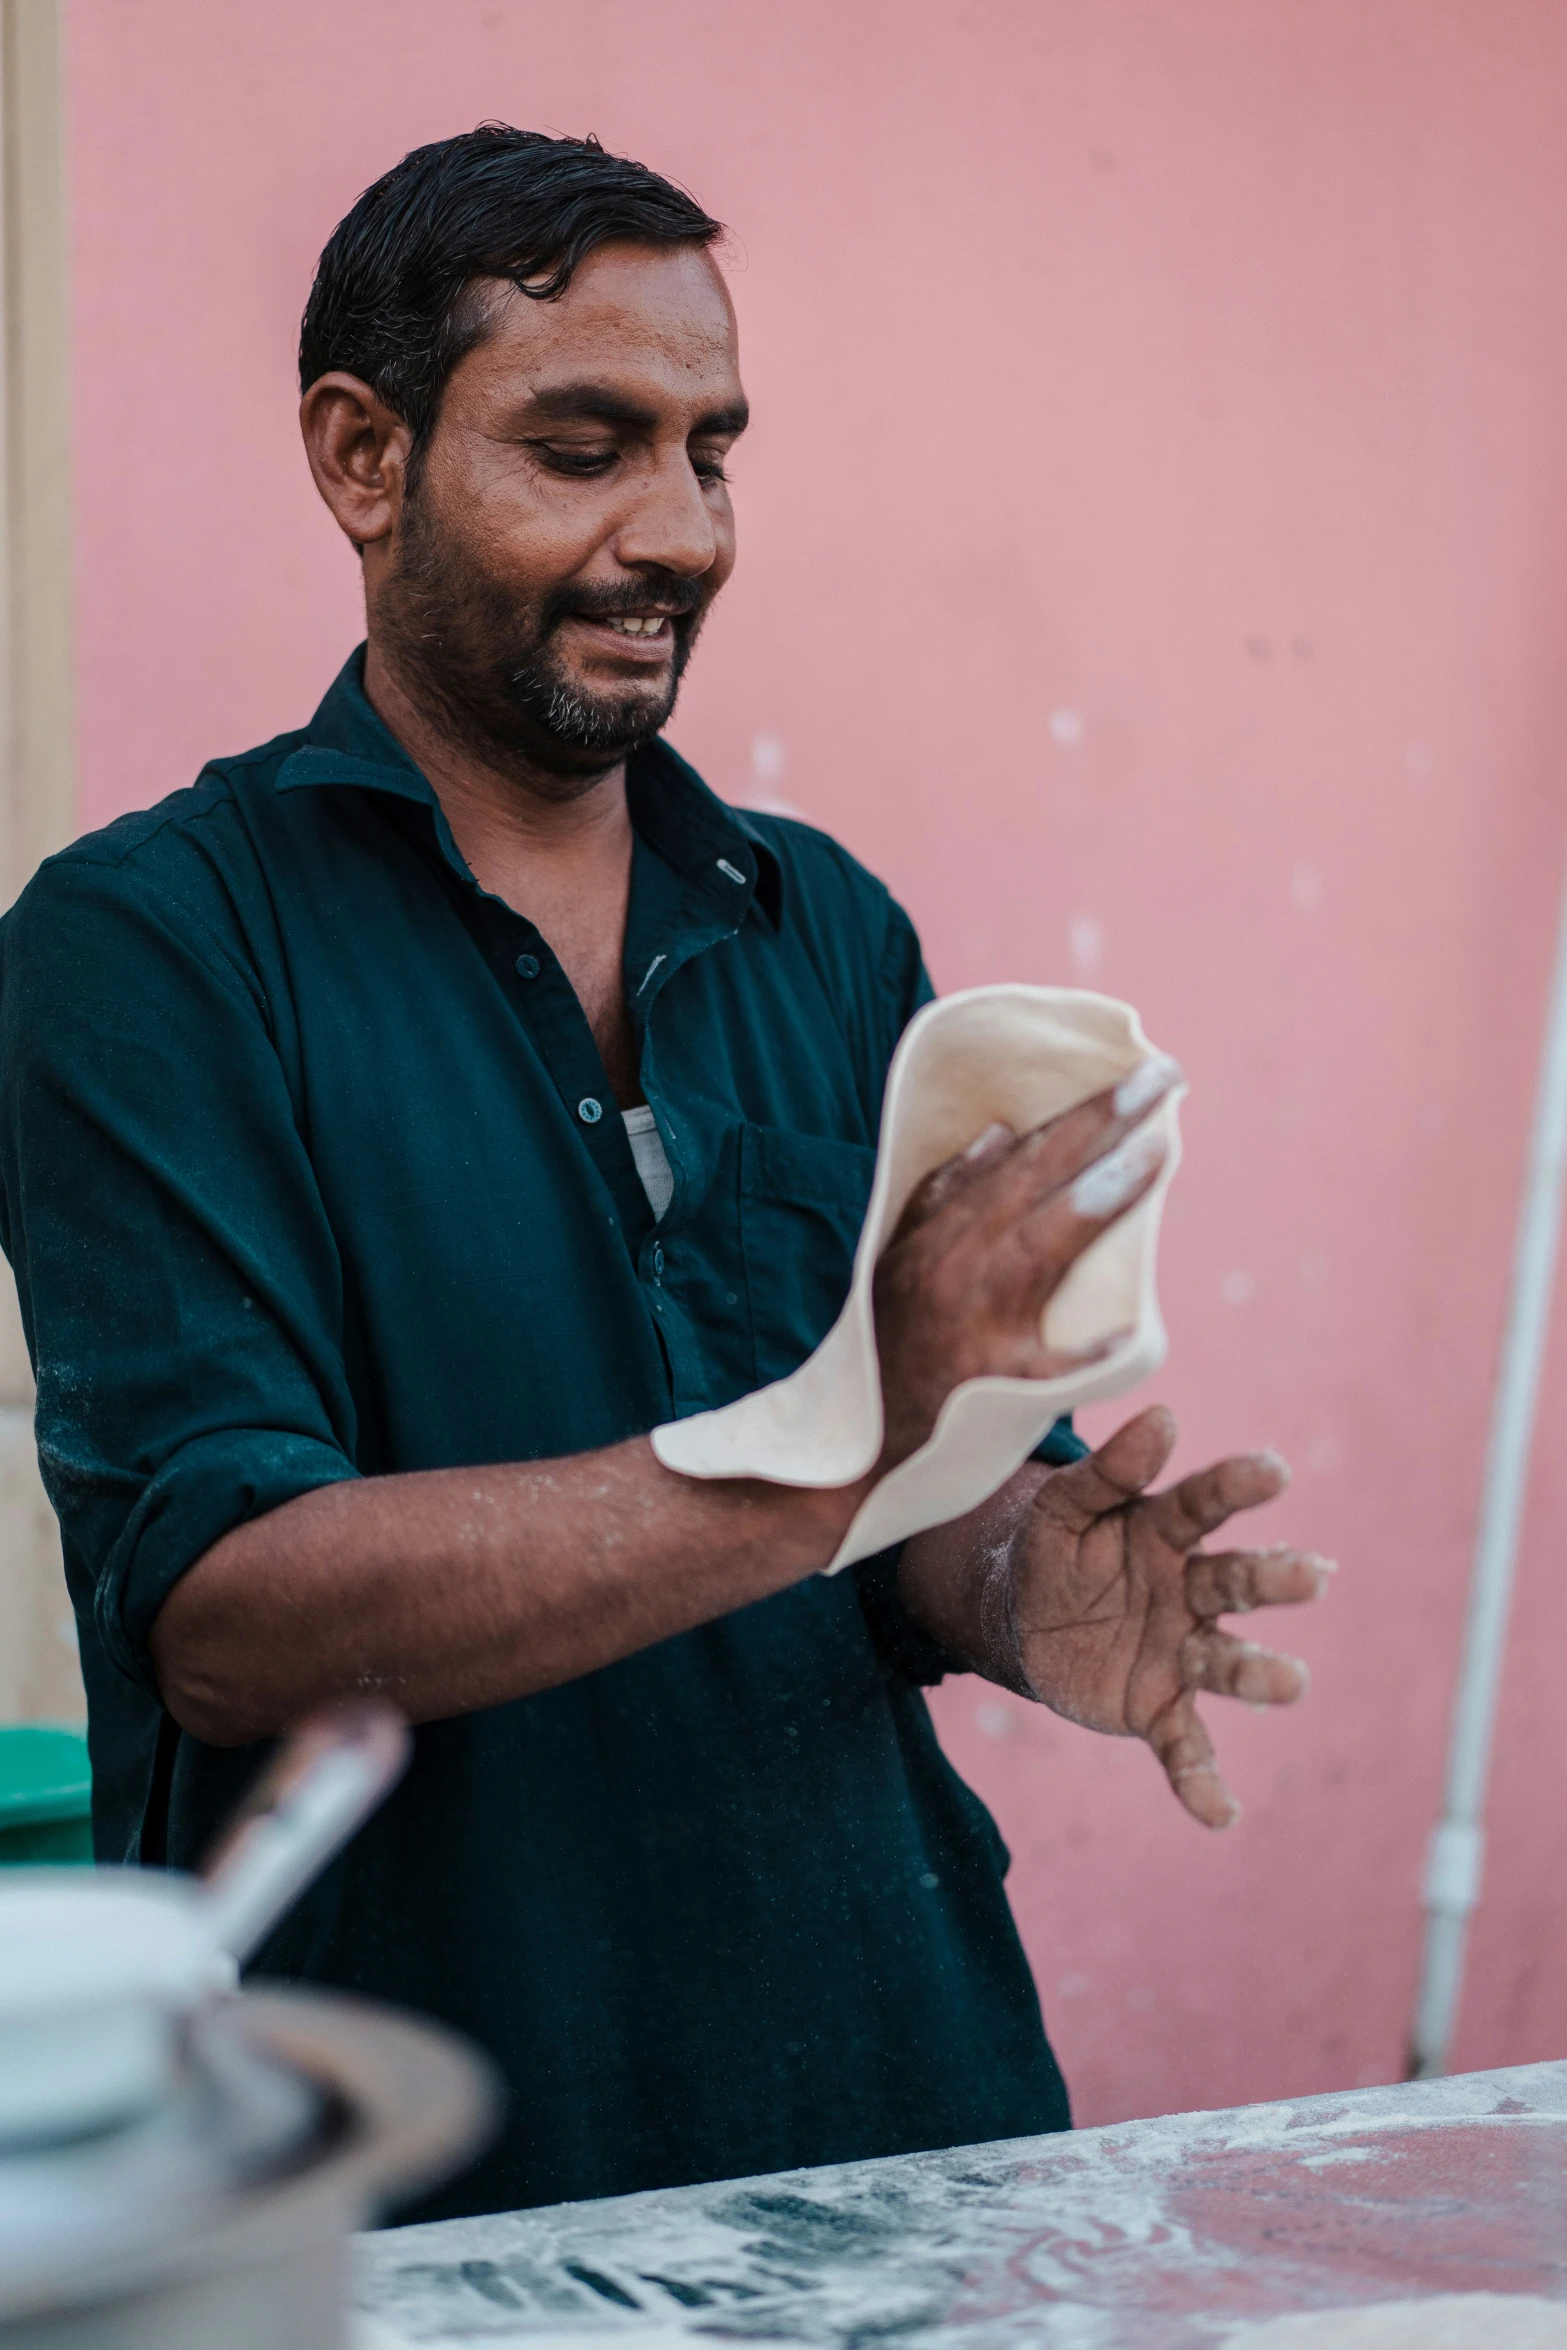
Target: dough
{"points": [[1448, 2321], [1022, 1055]]}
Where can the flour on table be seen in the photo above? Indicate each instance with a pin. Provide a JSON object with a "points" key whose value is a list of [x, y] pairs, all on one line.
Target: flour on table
{"points": [[1449, 2321]]}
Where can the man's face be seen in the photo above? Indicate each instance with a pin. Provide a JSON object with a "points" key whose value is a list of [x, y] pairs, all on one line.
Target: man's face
{"points": [[570, 522]]}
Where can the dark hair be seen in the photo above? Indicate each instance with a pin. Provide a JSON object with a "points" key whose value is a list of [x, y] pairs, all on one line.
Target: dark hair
{"points": [[392, 300]]}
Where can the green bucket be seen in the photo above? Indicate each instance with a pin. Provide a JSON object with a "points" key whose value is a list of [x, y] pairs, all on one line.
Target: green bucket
{"points": [[45, 1796]]}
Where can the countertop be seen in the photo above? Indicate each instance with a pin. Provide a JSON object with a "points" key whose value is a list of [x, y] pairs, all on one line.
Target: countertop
{"points": [[1185, 2230]]}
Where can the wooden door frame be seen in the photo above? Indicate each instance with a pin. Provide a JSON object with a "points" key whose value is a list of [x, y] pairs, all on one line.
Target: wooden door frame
{"points": [[38, 1668]]}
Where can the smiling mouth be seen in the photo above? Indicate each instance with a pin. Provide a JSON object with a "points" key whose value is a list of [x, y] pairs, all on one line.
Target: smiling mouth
{"points": [[640, 624]]}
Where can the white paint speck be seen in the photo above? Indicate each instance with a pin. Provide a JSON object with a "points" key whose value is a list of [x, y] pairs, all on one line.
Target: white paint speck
{"points": [[1086, 941], [1306, 888], [1072, 1986], [997, 1721], [767, 766], [1237, 1289], [1417, 758], [1067, 728], [767, 758]]}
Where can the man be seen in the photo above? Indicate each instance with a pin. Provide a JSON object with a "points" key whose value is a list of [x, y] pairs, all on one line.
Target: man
{"points": [[355, 1280]]}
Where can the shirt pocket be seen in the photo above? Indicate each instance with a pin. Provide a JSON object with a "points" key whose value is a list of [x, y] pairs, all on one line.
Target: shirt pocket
{"points": [[802, 1202]]}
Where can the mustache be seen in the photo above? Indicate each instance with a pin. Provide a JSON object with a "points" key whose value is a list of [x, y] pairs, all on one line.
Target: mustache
{"points": [[659, 591]]}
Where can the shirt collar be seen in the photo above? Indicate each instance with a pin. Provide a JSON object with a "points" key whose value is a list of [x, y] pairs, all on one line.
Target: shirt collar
{"points": [[671, 807], [694, 830]]}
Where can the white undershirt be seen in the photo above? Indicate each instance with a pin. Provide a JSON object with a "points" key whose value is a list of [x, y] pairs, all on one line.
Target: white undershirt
{"points": [[647, 1148]]}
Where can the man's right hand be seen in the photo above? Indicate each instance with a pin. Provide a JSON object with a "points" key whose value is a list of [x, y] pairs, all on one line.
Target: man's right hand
{"points": [[988, 1238]]}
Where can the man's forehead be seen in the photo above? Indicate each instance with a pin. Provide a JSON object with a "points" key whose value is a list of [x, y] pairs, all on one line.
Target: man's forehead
{"points": [[652, 320]]}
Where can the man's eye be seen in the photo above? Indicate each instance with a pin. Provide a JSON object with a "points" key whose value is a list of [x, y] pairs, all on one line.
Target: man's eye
{"points": [[709, 469], [579, 462]]}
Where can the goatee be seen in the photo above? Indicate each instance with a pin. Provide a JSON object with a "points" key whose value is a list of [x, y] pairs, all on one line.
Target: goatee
{"points": [[492, 674]]}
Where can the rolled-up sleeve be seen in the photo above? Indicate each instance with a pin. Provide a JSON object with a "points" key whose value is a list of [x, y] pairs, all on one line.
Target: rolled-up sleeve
{"points": [[180, 1287]]}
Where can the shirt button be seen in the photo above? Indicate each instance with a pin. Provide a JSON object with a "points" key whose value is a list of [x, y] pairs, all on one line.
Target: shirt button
{"points": [[658, 1261], [590, 1111], [528, 966]]}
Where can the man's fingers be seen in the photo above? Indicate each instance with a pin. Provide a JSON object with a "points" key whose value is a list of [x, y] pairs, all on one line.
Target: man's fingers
{"points": [[1007, 1177], [1227, 1667], [1179, 1739], [1104, 1144], [1232, 1582], [1205, 1499], [1113, 1475], [943, 1182], [1048, 1239]]}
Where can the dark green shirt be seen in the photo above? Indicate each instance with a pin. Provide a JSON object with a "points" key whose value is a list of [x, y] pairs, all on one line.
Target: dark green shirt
{"points": [[311, 1171]]}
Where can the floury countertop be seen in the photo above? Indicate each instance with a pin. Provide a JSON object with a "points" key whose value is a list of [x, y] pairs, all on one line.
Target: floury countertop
{"points": [[1155, 2235]]}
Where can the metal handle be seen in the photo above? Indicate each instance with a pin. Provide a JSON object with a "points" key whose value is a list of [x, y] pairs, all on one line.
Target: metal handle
{"points": [[329, 1776]]}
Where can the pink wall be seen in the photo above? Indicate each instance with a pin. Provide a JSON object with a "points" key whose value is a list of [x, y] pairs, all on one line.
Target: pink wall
{"points": [[1154, 562]]}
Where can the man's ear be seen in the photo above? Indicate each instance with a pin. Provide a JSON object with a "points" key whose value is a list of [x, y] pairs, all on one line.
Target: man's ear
{"points": [[358, 450]]}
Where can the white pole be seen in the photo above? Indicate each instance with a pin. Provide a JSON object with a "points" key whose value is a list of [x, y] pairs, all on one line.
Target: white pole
{"points": [[1453, 1865]]}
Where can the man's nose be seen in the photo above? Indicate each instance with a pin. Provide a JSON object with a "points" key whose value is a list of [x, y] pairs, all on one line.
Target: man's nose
{"points": [[669, 523]]}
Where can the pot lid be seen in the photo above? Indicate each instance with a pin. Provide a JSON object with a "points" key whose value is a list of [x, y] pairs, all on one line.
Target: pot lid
{"points": [[75, 1938]]}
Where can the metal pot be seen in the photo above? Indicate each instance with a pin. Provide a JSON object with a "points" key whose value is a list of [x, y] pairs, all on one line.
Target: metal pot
{"points": [[218, 2218], [180, 2163]]}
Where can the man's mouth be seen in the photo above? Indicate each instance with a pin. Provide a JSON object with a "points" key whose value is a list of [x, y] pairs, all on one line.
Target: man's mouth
{"points": [[642, 624]]}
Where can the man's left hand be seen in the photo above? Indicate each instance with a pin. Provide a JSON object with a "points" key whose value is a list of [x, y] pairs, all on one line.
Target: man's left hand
{"points": [[1101, 1604]]}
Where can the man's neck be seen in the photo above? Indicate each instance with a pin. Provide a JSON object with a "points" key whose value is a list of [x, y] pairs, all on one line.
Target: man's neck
{"points": [[514, 823], [559, 856]]}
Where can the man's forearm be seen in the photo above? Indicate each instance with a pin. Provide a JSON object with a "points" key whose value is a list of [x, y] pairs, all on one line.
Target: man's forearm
{"points": [[454, 1589], [956, 1582]]}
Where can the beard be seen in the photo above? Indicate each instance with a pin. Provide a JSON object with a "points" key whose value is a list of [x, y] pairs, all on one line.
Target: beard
{"points": [[490, 670]]}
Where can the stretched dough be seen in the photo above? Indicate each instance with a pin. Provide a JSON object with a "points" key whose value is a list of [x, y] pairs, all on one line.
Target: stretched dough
{"points": [[1018, 1054]]}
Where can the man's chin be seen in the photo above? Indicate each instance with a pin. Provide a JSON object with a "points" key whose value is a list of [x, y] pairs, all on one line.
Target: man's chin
{"points": [[586, 723]]}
